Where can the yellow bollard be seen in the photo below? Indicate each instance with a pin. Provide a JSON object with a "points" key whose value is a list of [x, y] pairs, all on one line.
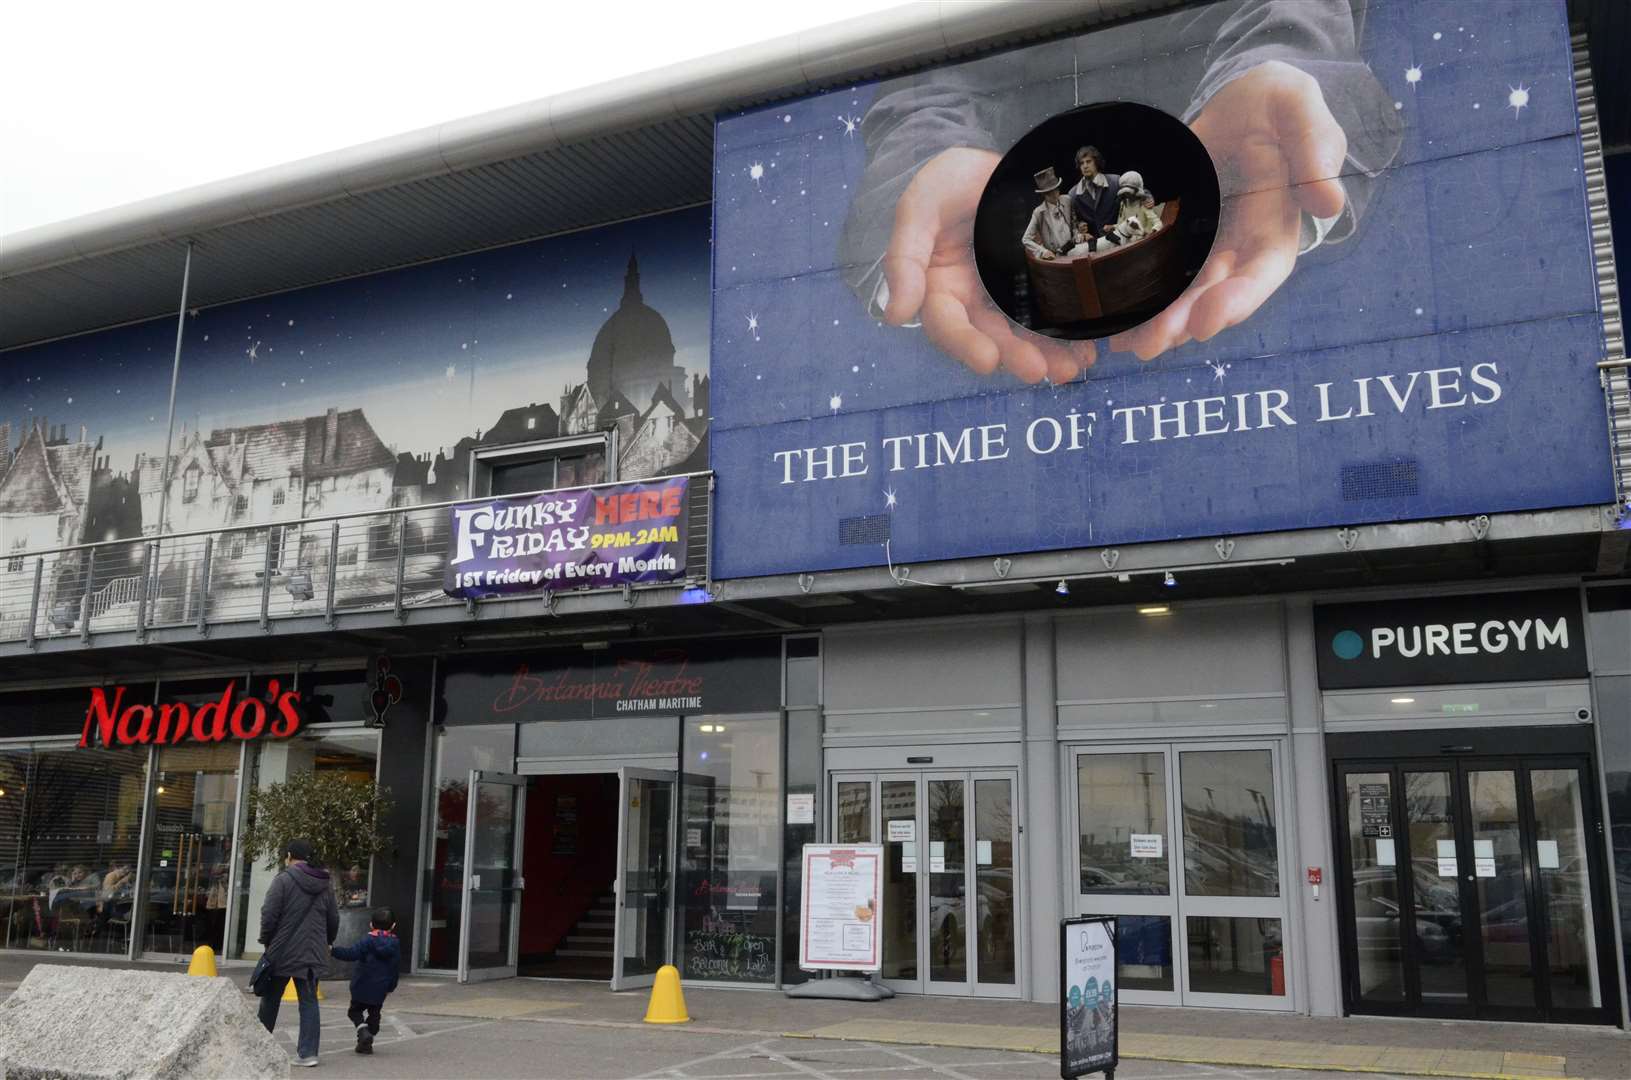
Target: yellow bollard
{"points": [[203, 962], [290, 995], [667, 1005]]}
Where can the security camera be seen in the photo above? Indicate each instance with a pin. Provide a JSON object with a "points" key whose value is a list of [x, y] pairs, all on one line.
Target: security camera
{"points": [[1582, 714]]}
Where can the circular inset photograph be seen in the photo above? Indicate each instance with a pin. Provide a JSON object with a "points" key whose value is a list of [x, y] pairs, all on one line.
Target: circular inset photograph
{"points": [[1096, 220]]}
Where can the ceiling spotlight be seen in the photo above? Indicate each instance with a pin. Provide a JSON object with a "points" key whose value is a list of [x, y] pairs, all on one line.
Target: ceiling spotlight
{"points": [[1169, 581], [1404, 701], [1062, 589]]}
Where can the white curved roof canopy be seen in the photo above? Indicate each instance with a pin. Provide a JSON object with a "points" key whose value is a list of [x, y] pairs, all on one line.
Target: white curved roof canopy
{"points": [[516, 173]]}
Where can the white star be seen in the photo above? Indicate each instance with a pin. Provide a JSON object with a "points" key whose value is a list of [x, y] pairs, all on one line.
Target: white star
{"points": [[753, 323], [1518, 98], [889, 501], [1412, 75], [849, 123], [1218, 371], [835, 402], [252, 353], [756, 171]]}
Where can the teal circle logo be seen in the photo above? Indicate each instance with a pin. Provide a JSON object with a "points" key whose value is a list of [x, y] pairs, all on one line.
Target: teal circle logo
{"points": [[1347, 645], [1075, 996]]}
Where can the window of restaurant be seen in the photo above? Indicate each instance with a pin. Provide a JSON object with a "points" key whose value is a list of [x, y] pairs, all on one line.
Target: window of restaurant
{"points": [[70, 826], [132, 850]]}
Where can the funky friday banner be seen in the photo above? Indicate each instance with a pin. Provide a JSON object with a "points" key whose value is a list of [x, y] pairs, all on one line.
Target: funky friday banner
{"points": [[625, 534]]}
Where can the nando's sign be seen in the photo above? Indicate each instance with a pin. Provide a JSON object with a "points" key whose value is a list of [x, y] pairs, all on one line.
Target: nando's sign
{"points": [[112, 722]]}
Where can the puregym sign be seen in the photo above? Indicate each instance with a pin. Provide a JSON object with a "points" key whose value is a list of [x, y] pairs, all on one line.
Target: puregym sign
{"points": [[1500, 637], [111, 720]]}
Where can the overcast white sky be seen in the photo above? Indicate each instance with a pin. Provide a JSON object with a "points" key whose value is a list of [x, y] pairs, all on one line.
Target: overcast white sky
{"points": [[108, 103]]}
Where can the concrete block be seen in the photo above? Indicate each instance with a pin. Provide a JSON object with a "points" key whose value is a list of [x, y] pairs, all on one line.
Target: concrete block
{"points": [[95, 1023]]}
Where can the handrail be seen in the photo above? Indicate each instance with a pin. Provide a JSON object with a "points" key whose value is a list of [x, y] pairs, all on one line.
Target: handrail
{"points": [[383, 561], [326, 518]]}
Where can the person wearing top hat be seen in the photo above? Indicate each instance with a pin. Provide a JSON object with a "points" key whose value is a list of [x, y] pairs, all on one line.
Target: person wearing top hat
{"points": [[1052, 229]]}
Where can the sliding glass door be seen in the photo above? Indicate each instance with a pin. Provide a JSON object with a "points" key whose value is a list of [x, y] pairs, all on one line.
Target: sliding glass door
{"points": [[1181, 843]]}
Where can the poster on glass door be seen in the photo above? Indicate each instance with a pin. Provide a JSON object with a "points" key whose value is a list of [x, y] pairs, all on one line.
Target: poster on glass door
{"points": [[1088, 1003], [842, 907]]}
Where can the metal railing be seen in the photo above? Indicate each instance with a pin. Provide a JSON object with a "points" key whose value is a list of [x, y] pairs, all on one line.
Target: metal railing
{"points": [[1616, 375], [387, 560]]}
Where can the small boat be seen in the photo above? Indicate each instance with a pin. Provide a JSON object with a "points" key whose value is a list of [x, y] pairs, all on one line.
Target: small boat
{"points": [[1139, 275]]}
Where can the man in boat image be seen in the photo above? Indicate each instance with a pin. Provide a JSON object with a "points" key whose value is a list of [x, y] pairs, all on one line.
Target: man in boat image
{"points": [[1093, 197], [1052, 229], [1295, 121]]}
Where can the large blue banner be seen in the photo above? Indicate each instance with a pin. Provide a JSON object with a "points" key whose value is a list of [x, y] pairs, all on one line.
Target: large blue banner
{"points": [[1397, 318]]}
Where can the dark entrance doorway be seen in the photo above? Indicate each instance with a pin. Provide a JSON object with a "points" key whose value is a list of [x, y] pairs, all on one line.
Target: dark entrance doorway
{"points": [[568, 914], [1471, 880]]}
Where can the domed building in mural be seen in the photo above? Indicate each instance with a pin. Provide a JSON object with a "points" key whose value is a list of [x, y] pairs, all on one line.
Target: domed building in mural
{"points": [[633, 354]]}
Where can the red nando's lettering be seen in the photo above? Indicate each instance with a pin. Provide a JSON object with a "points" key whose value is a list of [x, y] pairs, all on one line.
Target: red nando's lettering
{"points": [[117, 724], [631, 679]]}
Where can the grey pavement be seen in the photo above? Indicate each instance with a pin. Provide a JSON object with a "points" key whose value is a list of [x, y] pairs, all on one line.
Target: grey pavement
{"points": [[413, 1046], [557, 1029]]}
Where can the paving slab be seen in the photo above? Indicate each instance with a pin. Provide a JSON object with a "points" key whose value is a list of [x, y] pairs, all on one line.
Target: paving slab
{"points": [[946, 1030]]}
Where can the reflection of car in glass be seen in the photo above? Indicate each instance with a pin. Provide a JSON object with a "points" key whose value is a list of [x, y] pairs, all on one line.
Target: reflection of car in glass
{"points": [[995, 911], [1134, 879], [1376, 912]]}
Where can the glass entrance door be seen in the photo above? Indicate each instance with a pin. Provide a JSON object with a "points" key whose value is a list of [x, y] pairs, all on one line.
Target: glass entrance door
{"points": [[643, 934], [489, 933], [190, 861], [1181, 843], [1471, 889], [950, 896]]}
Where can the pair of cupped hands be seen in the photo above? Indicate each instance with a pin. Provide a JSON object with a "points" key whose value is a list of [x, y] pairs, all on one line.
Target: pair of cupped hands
{"points": [[1279, 153]]}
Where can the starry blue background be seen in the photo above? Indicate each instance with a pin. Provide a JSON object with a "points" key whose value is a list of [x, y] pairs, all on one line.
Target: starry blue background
{"points": [[1475, 249], [431, 353]]}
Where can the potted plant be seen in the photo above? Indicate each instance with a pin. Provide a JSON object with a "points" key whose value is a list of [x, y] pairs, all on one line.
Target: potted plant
{"points": [[342, 817]]}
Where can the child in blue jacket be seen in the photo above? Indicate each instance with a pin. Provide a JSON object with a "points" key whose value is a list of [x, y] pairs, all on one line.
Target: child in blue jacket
{"points": [[374, 977]]}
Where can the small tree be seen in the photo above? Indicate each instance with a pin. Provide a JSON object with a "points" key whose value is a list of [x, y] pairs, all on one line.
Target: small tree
{"points": [[340, 816]]}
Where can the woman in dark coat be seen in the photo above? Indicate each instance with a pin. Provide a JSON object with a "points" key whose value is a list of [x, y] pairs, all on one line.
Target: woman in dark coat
{"points": [[299, 921]]}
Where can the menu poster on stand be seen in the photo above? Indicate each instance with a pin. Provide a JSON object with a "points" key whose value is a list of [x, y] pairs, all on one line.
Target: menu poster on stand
{"points": [[1088, 998], [842, 907]]}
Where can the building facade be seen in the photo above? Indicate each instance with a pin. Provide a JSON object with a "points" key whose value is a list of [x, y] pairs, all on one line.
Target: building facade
{"points": [[1260, 582]]}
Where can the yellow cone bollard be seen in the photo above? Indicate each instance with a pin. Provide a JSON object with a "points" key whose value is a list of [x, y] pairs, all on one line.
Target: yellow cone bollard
{"points": [[667, 1004], [203, 962], [290, 995]]}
